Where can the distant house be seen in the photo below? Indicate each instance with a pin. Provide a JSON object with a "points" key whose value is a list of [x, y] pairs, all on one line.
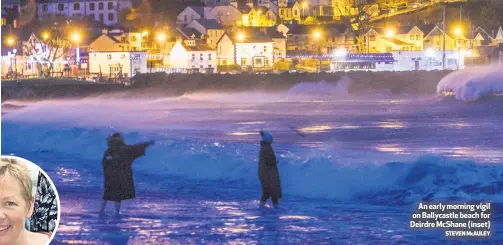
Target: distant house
{"points": [[10, 17], [226, 15], [278, 38], [117, 41], [191, 13], [225, 50], [290, 11], [187, 33], [499, 36], [435, 39], [114, 63], [403, 38], [302, 39], [255, 51], [211, 28], [248, 50], [299, 37], [192, 56], [259, 16], [103, 11], [481, 38], [269, 4]]}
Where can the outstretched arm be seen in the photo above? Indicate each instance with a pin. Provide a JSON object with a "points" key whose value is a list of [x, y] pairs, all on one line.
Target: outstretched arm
{"points": [[138, 150]]}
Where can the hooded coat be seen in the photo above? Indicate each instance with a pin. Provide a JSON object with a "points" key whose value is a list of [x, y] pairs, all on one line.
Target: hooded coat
{"points": [[268, 171], [117, 169]]}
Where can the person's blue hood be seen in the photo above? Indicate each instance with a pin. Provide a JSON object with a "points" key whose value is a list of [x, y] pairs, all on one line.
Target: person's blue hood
{"points": [[266, 137]]}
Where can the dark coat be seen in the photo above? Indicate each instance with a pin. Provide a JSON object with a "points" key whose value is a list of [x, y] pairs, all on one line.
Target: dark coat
{"points": [[268, 171], [117, 170]]}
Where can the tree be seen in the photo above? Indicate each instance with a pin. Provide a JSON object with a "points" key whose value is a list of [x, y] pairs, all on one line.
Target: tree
{"points": [[51, 47], [485, 13], [360, 14]]}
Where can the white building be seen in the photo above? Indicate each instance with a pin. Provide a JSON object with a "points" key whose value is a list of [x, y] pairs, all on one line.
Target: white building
{"points": [[398, 61], [110, 63], [192, 56], [105, 11], [37, 57], [428, 60], [255, 51], [23, 65]]}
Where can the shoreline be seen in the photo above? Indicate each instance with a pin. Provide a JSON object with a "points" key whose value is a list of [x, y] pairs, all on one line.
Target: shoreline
{"points": [[162, 84]]}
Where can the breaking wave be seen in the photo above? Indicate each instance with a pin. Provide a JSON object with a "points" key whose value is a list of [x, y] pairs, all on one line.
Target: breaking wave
{"points": [[472, 84], [320, 175]]}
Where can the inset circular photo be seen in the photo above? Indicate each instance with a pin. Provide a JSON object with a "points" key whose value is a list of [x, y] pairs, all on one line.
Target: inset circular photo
{"points": [[30, 206]]}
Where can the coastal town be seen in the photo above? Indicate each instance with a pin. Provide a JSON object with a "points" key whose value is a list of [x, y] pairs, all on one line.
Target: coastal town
{"points": [[118, 39]]}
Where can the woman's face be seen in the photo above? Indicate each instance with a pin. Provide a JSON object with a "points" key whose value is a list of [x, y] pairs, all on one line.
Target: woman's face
{"points": [[14, 209]]}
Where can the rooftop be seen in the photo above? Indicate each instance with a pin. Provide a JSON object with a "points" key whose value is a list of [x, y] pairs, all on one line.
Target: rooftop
{"points": [[210, 24]]}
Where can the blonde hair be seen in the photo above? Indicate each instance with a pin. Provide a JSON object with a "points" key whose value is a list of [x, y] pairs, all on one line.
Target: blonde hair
{"points": [[19, 171]]}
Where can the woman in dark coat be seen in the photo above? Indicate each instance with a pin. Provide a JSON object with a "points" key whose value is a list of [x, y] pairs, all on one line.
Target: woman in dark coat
{"points": [[118, 172], [268, 171]]}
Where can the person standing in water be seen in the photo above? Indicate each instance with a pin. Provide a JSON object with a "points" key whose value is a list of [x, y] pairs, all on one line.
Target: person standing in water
{"points": [[117, 170], [268, 171]]}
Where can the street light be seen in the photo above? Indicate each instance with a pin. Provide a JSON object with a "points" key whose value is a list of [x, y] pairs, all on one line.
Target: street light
{"points": [[161, 37], [304, 5], [10, 41], [458, 33], [317, 36], [45, 35], [14, 51], [390, 32], [241, 36], [257, 22], [76, 39], [368, 41]]}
